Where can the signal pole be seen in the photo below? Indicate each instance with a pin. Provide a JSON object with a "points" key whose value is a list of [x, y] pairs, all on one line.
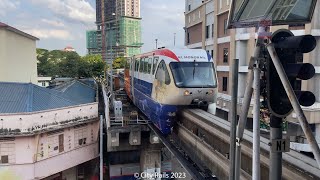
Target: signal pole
{"points": [[275, 157], [156, 43]]}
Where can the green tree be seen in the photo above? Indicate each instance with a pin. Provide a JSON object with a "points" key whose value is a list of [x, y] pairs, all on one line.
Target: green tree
{"points": [[119, 63], [58, 63], [91, 66], [68, 66]]}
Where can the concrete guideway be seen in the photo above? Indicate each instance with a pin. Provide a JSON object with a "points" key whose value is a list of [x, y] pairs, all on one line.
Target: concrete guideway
{"points": [[207, 136]]}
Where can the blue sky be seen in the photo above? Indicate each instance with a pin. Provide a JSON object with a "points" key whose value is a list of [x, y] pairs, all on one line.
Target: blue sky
{"points": [[61, 23]]}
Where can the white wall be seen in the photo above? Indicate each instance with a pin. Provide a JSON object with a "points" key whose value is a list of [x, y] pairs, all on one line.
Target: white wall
{"points": [[51, 166], [34, 155], [51, 118], [194, 4], [18, 62], [210, 7]]}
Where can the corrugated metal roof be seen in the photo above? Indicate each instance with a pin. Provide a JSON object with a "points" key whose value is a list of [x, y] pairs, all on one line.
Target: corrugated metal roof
{"points": [[77, 92], [27, 97]]}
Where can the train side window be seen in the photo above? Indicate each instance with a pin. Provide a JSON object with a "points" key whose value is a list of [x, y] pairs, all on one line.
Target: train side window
{"points": [[162, 73], [141, 65], [149, 65], [155, 62], [145, 64], [138, 63], [136, 68]]}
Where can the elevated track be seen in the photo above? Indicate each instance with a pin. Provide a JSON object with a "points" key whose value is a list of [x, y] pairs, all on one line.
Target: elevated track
{"points": [[205, 139]]}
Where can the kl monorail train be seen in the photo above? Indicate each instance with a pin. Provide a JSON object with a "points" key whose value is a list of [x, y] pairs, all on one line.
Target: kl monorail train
{"points": [[162, 81]]}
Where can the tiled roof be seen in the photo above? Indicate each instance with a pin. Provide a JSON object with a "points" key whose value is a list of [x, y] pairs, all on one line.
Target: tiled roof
{"points": [[27, 97]]}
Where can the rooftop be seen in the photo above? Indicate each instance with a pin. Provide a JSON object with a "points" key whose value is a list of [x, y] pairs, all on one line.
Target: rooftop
{"points": [[10, 28], [27, 97]]}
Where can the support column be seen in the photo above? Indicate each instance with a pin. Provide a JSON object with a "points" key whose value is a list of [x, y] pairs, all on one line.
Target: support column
{"points": [[150, 162]]}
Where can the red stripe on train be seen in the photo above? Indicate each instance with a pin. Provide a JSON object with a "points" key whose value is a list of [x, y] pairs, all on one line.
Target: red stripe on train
{"points": [[161, 52]]}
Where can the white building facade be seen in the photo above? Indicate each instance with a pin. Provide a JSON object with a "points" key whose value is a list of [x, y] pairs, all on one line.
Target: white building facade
{"points": [[18, 59]]}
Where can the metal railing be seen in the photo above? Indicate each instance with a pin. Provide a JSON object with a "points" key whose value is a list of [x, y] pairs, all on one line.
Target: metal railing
{"points": [[120, 121]]}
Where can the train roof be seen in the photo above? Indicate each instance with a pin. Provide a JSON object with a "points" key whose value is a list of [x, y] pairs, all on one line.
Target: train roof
{"points": [[181, 55]]}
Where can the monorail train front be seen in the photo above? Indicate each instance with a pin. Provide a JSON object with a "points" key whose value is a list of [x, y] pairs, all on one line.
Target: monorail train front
{"points": [[195, 82], [187, 79]]}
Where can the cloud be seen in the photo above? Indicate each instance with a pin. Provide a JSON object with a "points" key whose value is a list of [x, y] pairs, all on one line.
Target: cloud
{"points": [[53, 22], [170, 19], [8, 5], [50, 34], [78, 11]]}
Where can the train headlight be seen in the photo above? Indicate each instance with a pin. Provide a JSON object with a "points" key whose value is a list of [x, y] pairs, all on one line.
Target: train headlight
{"points": [[186, 93], [210, 91]]}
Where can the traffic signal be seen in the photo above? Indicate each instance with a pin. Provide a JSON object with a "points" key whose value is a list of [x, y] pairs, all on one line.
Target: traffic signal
{"points": [[289, 49]]}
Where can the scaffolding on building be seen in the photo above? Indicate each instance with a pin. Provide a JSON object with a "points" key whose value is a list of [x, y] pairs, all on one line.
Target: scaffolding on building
{"points": [[117, 35]]}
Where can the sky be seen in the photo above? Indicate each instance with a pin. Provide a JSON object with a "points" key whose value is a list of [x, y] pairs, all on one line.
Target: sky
{"points": [[61, 23]]}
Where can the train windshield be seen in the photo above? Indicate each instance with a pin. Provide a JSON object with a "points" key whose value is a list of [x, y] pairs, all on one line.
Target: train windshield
{"points": [[193, 74]]}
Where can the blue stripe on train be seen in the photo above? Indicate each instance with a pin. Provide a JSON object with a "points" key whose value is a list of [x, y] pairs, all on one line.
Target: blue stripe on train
{"points": [[156, 112], [143, 86]]}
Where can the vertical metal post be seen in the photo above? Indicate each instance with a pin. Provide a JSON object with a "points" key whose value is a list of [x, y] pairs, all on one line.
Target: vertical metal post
{"points": [[275, 168], [295, 103], [246, 104], [111, 61], [101, 147], [256, 124], [233, 117]]}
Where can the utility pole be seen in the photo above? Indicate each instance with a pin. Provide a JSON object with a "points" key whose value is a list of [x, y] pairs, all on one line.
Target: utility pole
{"points": [[156, 43], [233, 117]]}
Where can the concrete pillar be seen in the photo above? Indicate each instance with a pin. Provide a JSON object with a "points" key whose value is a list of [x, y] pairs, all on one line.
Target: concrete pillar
{"points": [[113, 140], [150, 162]]}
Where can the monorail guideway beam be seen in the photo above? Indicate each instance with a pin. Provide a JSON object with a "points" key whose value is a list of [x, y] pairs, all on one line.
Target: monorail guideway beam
{"points": [[186, 164]]}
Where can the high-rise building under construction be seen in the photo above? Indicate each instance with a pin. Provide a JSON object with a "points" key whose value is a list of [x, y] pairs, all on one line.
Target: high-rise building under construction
{"points": [[118, 29]]}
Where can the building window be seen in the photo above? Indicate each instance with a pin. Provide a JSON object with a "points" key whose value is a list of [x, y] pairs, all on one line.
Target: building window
{"points": [[7, 152], [212, 53], [207, 31], [189, 7], [4, 159], [225, 26], [188, 38], [225, 55], [228, 2], [220, 4], [212, 29], [199, 14], [61, 143], [189, 19], [224, 84]]}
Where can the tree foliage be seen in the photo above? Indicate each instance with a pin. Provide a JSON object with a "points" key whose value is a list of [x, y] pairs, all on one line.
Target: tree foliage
{"points": [[119, 63], [58, 63]]}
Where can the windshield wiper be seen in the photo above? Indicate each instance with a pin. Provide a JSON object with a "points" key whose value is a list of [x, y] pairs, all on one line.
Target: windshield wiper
{"points": [[194, 67]]}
